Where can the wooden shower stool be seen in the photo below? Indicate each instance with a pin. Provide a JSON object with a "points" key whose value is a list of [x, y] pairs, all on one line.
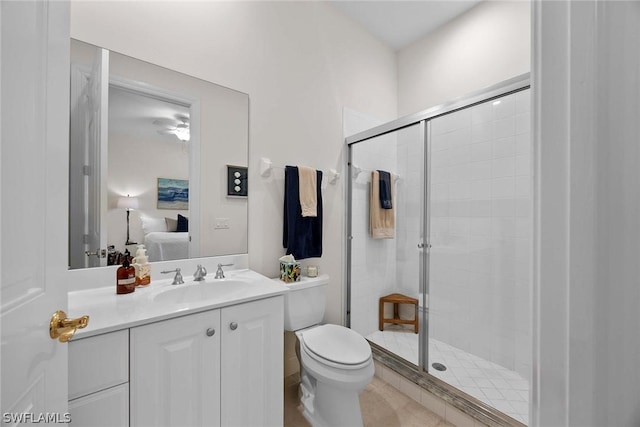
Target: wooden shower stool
{"points": [[398, 299]]}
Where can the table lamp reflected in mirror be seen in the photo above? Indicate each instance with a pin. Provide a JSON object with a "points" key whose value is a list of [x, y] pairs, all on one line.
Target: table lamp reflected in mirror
{"points": [[128, 203]]}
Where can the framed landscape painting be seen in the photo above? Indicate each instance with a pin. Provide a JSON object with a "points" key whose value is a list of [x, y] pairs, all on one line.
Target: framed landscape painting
{"points": [[173, 193]]}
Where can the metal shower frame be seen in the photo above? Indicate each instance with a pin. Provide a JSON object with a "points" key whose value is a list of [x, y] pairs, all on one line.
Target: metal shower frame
{"points": [[423, 118]]}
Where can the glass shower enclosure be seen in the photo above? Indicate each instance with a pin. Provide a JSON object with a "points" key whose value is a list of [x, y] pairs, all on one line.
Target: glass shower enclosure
{"points": [[459, 255]]}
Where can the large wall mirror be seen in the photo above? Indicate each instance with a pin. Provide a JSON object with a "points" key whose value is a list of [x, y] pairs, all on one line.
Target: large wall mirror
{"points": [[152, 155]]}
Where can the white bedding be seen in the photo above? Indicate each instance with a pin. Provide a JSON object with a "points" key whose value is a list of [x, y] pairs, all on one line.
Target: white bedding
{"points": [[165, 246]]}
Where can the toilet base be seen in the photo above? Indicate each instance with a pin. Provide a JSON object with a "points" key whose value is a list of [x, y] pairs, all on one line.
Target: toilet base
{"points": [[330, 396], [326, 406]]}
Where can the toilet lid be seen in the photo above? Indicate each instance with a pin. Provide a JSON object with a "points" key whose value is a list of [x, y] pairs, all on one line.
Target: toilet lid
{"points": [[337, 344]]}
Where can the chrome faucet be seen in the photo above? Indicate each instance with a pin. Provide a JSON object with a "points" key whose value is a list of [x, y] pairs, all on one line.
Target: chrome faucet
{"points": [[219, 272], [200, 273], [177, 280]]}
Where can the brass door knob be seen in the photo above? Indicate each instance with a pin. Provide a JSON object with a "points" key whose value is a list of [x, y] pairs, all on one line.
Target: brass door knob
{"points": [[63, 328]]}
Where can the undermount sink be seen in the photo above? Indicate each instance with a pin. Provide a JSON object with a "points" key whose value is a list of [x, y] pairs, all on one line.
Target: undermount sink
{"points": [[162, 300], [190, 292]]}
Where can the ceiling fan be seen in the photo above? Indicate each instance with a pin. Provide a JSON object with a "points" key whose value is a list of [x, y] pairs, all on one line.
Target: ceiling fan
{"points": [[179, 127]]}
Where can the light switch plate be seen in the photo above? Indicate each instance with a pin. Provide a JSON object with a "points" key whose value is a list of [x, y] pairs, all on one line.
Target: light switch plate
{"points": [[237, 181], [221, 224]]}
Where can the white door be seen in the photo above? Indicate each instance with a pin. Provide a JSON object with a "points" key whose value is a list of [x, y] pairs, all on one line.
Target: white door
{"points": [[252, 363], [34, 76], [88, 162]]}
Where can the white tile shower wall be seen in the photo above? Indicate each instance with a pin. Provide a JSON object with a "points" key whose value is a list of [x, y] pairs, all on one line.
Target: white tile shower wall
{"points": [[373, 266], [481, 222]]}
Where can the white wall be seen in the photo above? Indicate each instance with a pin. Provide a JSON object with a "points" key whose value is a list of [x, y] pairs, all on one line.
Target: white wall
{"points": [[300, 63], [487, 45], [586, 292]]}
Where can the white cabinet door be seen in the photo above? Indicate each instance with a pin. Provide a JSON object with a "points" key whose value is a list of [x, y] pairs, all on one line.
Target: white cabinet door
{"points": [[252, 363], [108, 408], [175, 372]]}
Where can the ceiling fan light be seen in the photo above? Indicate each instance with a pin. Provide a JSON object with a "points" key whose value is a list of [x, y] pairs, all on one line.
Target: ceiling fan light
{"points": [[182, 132]]}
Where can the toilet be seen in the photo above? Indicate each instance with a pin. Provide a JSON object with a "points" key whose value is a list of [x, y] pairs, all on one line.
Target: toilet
{"points": [[335, 362]]}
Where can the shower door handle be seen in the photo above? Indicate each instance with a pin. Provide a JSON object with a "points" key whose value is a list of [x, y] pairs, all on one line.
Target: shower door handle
{"points": [[421, 245]]}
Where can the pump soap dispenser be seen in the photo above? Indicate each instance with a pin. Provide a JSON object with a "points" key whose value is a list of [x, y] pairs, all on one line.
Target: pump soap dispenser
{"points": [[125, 278], [142, 266]]}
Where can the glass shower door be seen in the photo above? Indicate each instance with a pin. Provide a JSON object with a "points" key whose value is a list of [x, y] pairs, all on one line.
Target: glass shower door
{"points": [[480, 223], [379, 267]]}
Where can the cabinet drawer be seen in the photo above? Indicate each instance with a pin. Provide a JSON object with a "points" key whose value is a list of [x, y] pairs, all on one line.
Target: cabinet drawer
{"points": [[99, 362], [108, 408]]}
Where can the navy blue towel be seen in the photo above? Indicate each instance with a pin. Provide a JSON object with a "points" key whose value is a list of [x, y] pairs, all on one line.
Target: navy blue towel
{"points": [[302, 236], [385, 190]]}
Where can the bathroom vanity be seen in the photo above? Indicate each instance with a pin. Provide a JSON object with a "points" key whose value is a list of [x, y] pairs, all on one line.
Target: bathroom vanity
{"points": [[201, 353]]}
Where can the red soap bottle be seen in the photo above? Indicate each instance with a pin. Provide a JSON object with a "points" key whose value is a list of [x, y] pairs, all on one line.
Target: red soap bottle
{"points": [[125, 278]]}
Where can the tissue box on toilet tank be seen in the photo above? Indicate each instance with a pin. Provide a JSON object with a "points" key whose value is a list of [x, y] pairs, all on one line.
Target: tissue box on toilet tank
{"points": [[290, 271]]}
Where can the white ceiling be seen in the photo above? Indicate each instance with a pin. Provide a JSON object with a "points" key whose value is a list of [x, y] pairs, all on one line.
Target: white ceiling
{"points": [[399, 23], [142, 116]]}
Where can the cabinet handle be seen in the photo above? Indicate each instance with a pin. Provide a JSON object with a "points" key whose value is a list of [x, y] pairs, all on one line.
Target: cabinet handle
{"points": [[233, 326], [210, 332]]}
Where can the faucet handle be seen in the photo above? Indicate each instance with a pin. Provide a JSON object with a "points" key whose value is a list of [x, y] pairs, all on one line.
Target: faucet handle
{"points": [[220, 272], [200, 273], [177, 280]]}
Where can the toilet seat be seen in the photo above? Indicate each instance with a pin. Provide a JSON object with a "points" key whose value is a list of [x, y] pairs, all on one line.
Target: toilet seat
{"points": [[336, 346]]}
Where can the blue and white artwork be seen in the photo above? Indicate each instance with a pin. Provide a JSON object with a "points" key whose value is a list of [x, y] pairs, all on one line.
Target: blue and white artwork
{"points": [[173, 193]]}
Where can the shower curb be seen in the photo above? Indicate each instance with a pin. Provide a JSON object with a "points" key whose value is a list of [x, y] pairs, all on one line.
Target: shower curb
{"points": [[450, 395]]}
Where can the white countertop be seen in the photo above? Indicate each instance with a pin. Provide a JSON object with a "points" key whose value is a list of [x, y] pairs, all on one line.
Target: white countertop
{"points": [[160, 300]]}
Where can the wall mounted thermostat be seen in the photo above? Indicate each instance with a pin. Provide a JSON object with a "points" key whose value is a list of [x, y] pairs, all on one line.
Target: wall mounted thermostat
{"points": [[237, 177]]}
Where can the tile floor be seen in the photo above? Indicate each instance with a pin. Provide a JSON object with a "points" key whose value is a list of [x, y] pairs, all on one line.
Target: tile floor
{"points": [[382, 406], [503, 389]]}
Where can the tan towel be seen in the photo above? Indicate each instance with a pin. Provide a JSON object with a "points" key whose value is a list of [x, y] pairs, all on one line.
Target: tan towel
{"points": [[308, 191], [381, 221]]}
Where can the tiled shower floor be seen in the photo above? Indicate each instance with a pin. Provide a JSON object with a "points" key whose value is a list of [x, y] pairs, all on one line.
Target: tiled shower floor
{"points": [[488, 382]]}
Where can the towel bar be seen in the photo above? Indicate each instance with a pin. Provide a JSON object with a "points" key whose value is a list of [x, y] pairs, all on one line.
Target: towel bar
{"points": [[266, 166], [357, 170]]}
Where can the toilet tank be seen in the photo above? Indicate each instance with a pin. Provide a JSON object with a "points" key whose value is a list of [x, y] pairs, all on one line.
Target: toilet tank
{"points": [[305, 302]]}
